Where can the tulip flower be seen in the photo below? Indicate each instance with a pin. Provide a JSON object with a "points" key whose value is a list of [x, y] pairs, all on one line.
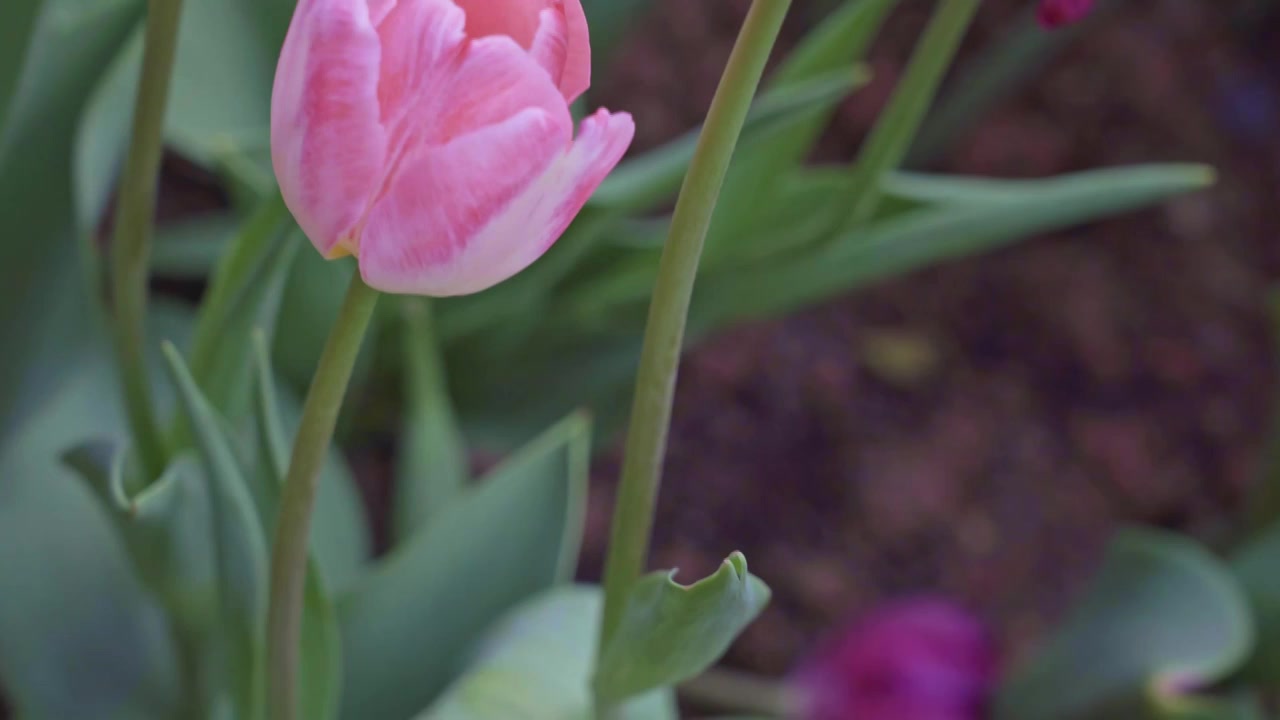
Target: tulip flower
{"points": [[432, 139], [922, 659], [1056, 13]]}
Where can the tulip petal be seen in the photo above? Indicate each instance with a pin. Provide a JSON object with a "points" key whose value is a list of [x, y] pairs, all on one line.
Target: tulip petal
{"points": [[470, 214], [551, 44], [524, 21], [328, 146]]}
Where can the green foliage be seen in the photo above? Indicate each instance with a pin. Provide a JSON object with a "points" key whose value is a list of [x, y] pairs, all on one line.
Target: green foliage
{"points": [[1163, 618], [432, 466], [409, 625], [670, 633], [536, 664]]}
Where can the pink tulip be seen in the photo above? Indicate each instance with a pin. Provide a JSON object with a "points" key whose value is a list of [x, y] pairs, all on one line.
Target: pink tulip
{"points": [[1056, 13], [432, 139], [922, 659]]}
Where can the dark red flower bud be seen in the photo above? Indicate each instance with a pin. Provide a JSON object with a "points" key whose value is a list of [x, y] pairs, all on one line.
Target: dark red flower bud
{"points": [[922, 659], [1056, 13]]}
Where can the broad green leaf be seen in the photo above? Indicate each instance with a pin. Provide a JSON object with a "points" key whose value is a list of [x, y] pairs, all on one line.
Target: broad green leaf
{"points": [[908, 241], [102, 138], [240, 548], [536, 665], [431, 469], [82, 637], [47, 313], [409, 624], [671, 632], [1162, 613], [649, 180], [17, 22], [1255, 565]]}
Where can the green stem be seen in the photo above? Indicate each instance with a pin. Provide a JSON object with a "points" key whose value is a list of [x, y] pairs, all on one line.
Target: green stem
{"points": [[896, 128], [738, 692], [293, 524], [131, 240], [664, 332]]}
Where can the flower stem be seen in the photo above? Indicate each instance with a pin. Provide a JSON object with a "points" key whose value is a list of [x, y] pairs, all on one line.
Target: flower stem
{"points": [[896, 128], [664, 332], [293, 524], [131, 238]]}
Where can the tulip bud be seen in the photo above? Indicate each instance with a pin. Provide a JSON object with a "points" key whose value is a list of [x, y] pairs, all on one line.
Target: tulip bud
{"points": [[1056, 13], [432, 139], [923, 659]]}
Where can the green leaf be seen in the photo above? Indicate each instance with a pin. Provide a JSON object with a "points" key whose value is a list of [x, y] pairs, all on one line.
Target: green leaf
{"points": [[240, 548], [17, 22], [671, 632], [749, 191], [1255, 567], [432, 466], [1162, 613], [610, 21], [904, 242], [408, 625], [536, 665], [645, 182], [1175, 706], [45, 299], [82, 637]]}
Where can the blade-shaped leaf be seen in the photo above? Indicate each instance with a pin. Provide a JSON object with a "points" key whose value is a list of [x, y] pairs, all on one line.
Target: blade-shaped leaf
{"points": [[907, 241], [17, 21], [409, 624], [239, 546], [647, 181], [432, 466], [671, 632], [1241, 706], [47, 311], [1162, 613], [536, 665], [81, 636]]}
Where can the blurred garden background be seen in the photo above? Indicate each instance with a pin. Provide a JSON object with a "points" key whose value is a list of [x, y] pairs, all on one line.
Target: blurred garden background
{"points": [[978, 428]]}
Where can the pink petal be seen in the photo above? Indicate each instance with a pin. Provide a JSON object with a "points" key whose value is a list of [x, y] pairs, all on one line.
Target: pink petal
{"points": [[421, 41], [468, 215], [522, 21], [327, 145]]}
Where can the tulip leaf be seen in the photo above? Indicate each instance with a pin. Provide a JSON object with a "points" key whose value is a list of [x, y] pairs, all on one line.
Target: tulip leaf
{"points": [[408, 625], [1240, 706], [1162, 613], [536, 663], [906, 241], [432, 467], [1255, 566], [841, 40], [191, 248], [239, 546], [17, 22], [647, 181], [81, 636], [610, 20], [47, 309], [671, 632]]}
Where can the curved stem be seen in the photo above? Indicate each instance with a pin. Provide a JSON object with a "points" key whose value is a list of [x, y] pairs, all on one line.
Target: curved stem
{"points": [[131, 239], [293, 524], [664, 332]]}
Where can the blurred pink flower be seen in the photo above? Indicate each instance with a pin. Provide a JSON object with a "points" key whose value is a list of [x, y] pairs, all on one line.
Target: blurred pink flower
{"points": [[1056, 13], [432, 138], [919, 659]]}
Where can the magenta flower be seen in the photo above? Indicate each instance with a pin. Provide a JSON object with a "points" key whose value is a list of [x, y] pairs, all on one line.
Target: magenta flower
{"points": [[432, 139], [1056, 13], [921, 659]]}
